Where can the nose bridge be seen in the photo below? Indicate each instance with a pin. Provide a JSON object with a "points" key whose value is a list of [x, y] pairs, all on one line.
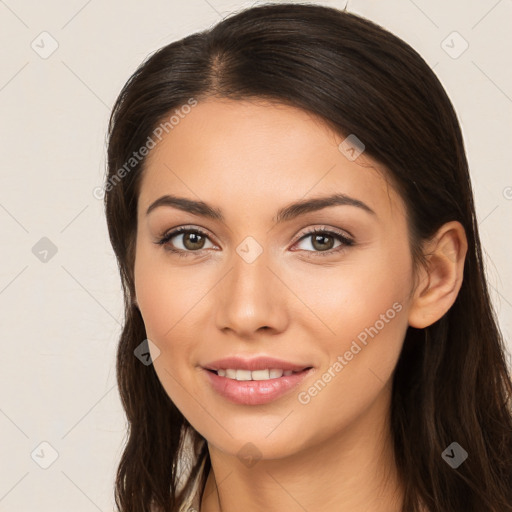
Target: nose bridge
{"points": [[249, 297]]}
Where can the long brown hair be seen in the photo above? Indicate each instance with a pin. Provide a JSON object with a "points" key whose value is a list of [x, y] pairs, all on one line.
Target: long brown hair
{"points": [[451, 383]]}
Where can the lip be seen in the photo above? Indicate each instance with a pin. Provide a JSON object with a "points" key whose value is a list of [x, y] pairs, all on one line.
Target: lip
{"points": [[254, 392], [256, 363]]}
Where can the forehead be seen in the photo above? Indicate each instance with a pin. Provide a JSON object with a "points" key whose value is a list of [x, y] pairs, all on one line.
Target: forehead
{"points": [[243, 129], [262, 152]]}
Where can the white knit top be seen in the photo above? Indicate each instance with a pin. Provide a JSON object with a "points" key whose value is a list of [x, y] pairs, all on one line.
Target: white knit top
{"points": [[191, 504]]}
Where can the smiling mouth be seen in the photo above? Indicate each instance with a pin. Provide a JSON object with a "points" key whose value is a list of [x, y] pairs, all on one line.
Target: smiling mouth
{"points": [[255, 387]]}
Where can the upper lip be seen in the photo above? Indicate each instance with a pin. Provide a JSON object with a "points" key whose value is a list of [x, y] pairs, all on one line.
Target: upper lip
{"points": [[255, 363]]}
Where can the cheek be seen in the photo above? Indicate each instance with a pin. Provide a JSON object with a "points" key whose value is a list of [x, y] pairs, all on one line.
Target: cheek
{"points": [[164, 313], [156, 300], [359, 361], [162, 294], [343, 300], [169, 299], [363, 307]]}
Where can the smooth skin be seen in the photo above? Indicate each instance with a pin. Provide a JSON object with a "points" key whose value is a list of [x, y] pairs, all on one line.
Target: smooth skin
{"points": [[301, 301]]}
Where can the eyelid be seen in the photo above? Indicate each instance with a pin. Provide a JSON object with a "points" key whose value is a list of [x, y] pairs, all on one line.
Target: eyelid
{"points": [[325, 229], [163, 238]]}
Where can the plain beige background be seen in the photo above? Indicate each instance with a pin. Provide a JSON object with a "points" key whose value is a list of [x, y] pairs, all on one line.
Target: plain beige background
{"points": [[63, 64]]}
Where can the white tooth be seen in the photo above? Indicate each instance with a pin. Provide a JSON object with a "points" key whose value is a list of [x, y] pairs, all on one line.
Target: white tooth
{"points": [[260, 375], [273, 373], [243, 375]]}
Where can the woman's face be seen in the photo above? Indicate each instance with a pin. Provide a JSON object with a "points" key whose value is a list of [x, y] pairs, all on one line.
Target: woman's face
{"points": [[250, 279]]}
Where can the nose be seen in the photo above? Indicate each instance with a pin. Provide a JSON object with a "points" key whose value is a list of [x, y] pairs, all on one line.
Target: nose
{"points": [[251, 299]]}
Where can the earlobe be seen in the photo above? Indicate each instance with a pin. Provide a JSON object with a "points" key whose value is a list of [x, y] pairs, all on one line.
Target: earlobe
{"points": [[441, 278]]}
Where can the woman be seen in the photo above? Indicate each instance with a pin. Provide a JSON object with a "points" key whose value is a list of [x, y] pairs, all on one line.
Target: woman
{"points": [[289, 201]]}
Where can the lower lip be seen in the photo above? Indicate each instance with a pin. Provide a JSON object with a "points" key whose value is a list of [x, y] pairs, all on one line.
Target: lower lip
{"points": [[255, 392]]}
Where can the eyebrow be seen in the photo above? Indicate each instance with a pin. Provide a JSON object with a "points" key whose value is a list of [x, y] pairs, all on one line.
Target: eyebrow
{"points": [[286, 213]]}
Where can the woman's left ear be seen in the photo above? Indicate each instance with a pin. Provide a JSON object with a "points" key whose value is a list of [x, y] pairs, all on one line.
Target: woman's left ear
{"points": [[440, 280]]}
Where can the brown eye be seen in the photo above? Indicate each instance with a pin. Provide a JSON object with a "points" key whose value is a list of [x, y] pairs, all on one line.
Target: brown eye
{"points": [[183, 240], [193, 241], [323, 242]]}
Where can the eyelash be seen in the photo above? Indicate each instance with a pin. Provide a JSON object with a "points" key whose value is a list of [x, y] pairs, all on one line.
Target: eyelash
{"points": [[164, 239]]}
